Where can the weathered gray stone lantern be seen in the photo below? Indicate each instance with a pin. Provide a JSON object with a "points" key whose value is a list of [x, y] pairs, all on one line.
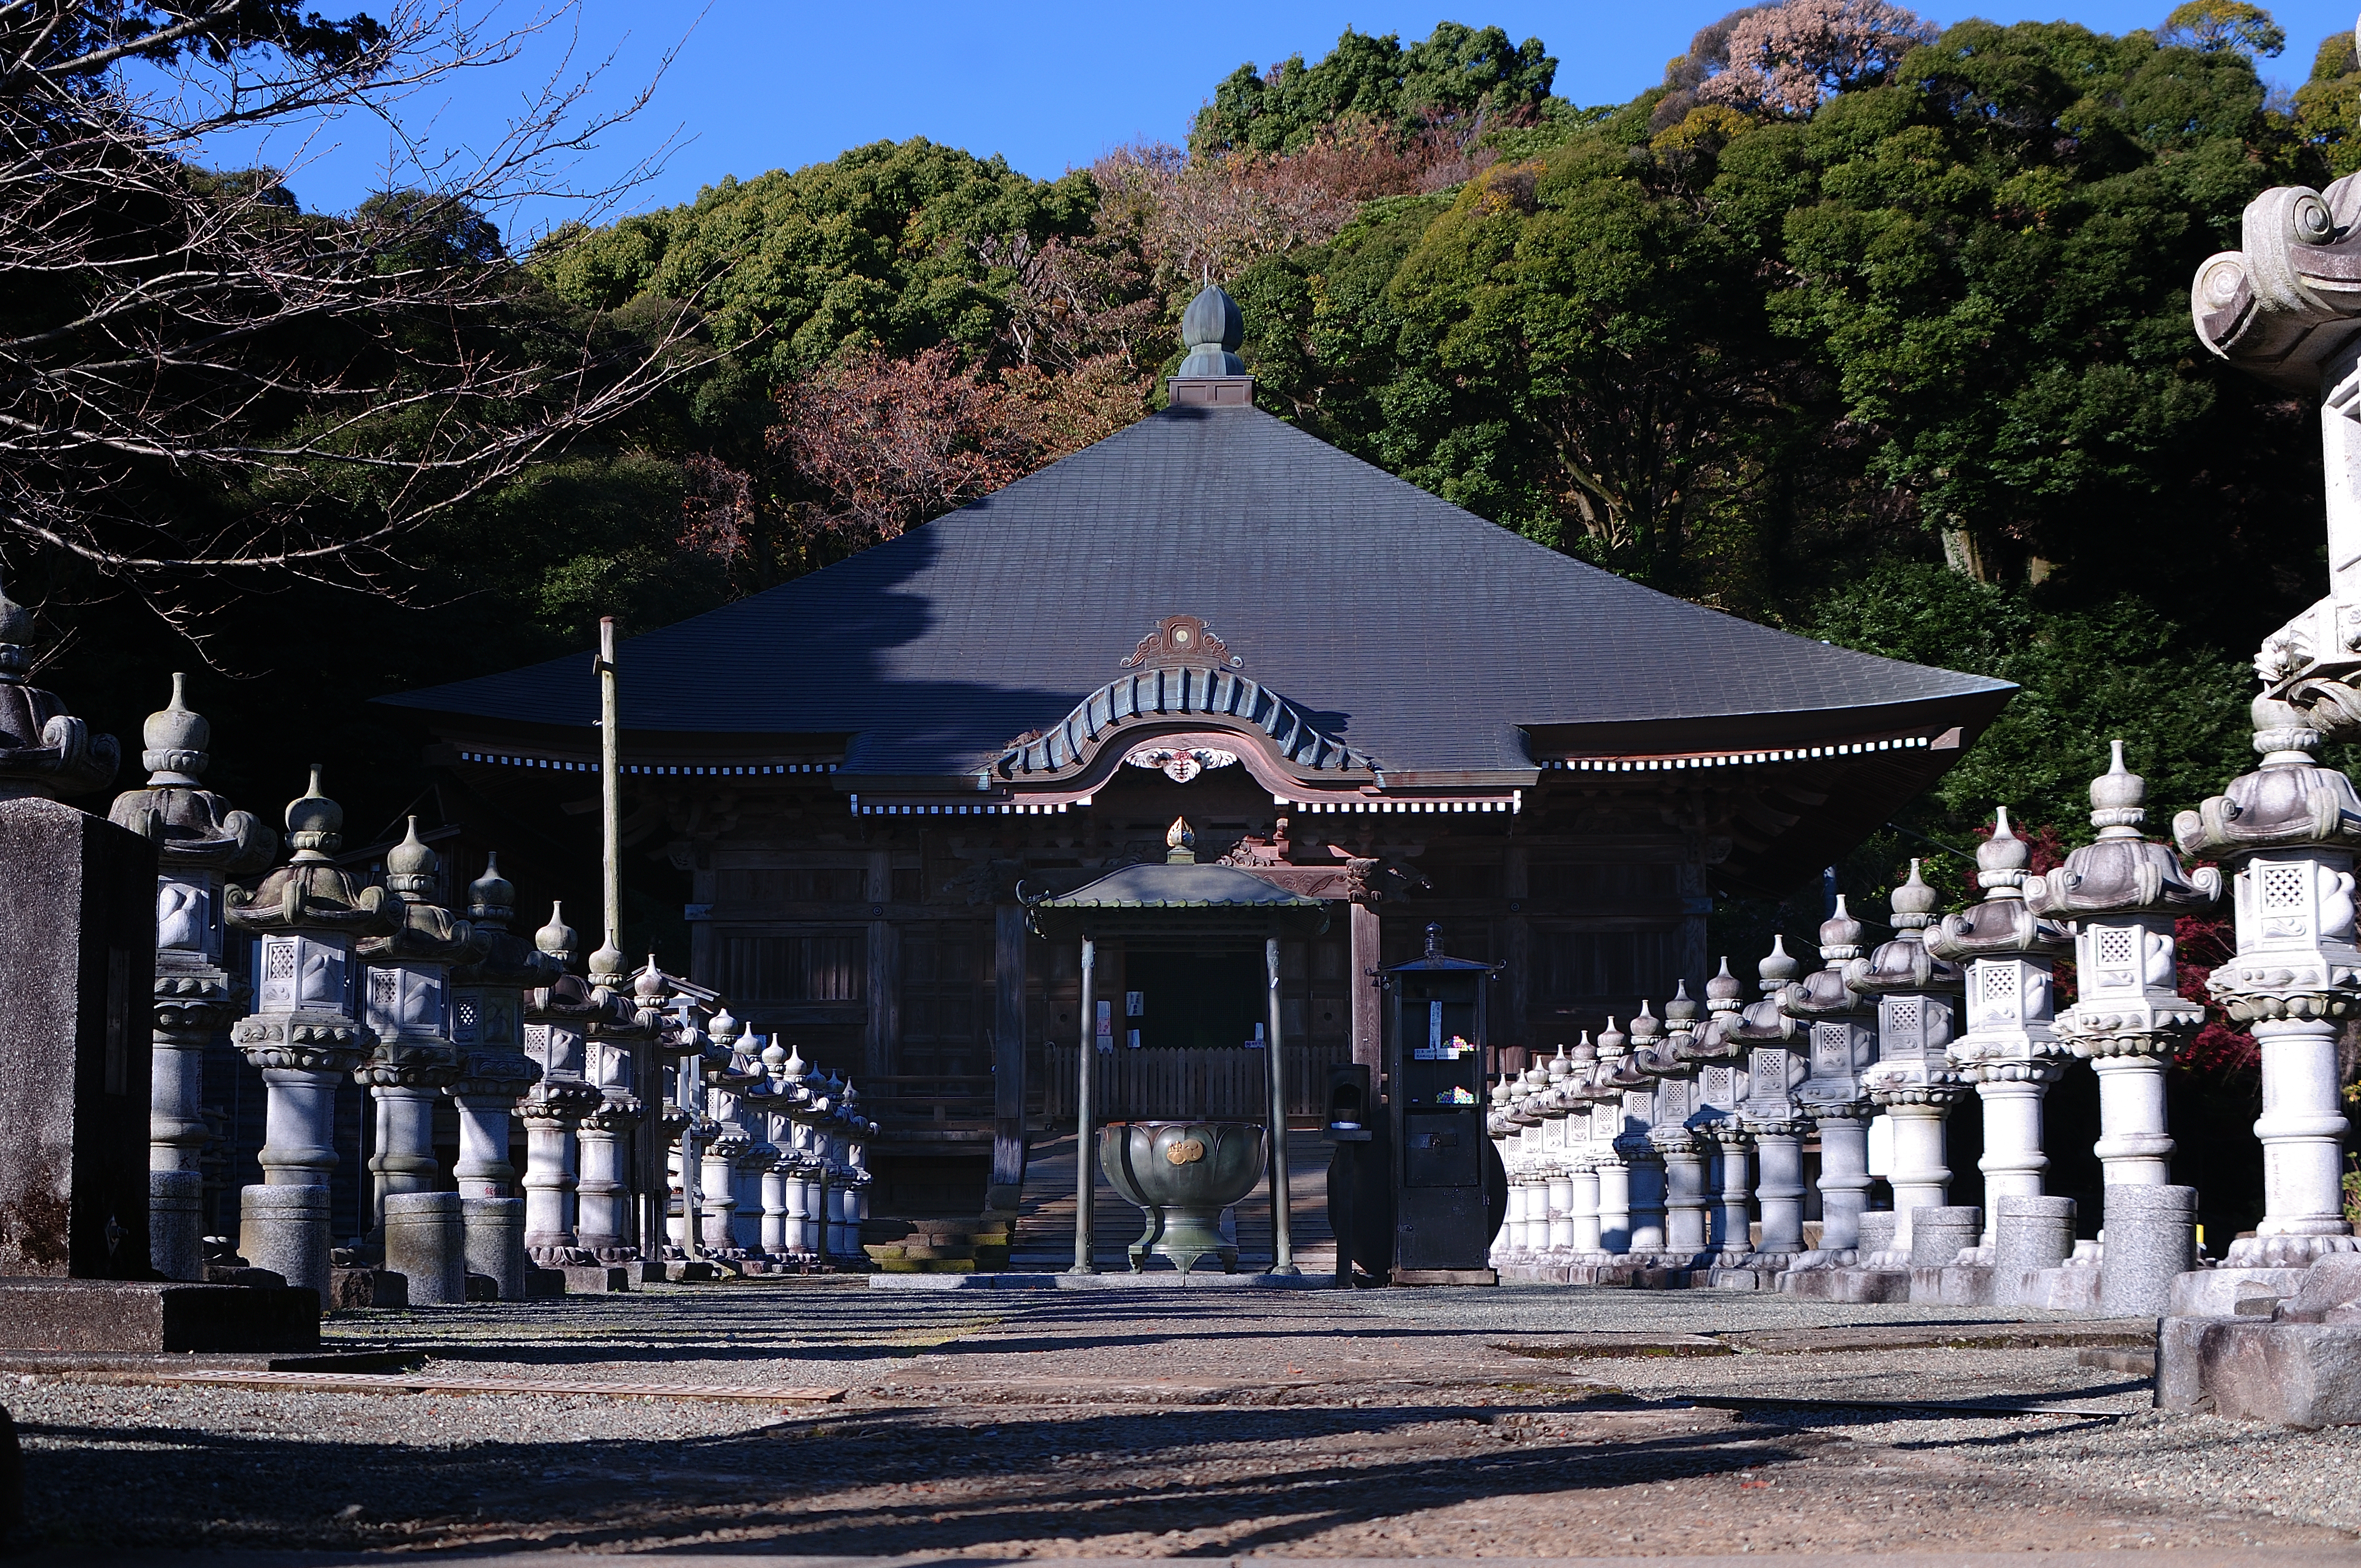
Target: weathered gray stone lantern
{"points": [[199, 842], [1676, 1133], [2287, 832], [2010, 1048], [488, 992], [1772, 1117], [1723, 1088], [2120, 897], [1843, 1036], [306, 1034], [556, 1014], [408, 1000], [1913, 1080]]}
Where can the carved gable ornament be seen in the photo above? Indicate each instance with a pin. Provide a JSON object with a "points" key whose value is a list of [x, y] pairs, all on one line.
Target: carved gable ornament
{"points": [[1182, 640], [1180, 766]]}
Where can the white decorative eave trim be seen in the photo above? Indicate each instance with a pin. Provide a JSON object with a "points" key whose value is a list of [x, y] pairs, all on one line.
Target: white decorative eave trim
{"points": [[1513, 802], [666, 770], [1947, 739]]}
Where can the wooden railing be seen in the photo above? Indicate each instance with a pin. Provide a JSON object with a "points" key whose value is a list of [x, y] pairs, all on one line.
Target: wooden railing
{"points": [[927, 1099], [1222, 1081]]}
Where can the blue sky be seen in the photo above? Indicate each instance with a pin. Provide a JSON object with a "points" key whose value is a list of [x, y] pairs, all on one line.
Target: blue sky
{"points": [[759, 85]]}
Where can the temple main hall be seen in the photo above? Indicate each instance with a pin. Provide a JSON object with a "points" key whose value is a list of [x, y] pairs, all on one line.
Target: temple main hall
{"points": [[857, 782]]}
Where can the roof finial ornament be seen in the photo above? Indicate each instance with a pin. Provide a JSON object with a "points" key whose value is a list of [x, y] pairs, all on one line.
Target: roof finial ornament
{"points": [[1212, 328], [1180, 843]]}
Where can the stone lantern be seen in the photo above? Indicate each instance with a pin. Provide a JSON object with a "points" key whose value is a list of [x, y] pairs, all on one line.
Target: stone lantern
{"points": [[725, 1078], [615, 1029], [1772, 1117], [1843, 1033], [1613, 1142], [407, 992], [2120, 896], [2286, 833], [2010, 1048], [200, 841], [306, 1034], [488, 998], [1582, 1154], [1722, 1096], [1675, 1135], [556, 1014], [1913, 1082]]}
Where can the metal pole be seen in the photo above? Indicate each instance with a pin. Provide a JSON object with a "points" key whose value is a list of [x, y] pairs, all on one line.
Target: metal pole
{"points": [[689, 1093], [1083, 1177], [610, 784], [1282, 1244]]}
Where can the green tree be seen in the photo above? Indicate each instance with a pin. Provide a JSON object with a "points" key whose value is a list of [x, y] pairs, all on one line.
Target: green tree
{"points": [[1462, 79]]}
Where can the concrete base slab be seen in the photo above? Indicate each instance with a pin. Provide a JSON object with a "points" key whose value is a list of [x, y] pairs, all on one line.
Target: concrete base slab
{"points": [[1536, 1273], [596, 1278], [1742, 1278], [2291, 1374], [2219, 1292], [121, 1315], [1862, 1285], [1954, 1284], [694, 1272]]}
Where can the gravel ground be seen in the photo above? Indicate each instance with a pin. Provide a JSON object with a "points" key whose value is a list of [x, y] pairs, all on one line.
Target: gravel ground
{"points": [[1383, 1423]]}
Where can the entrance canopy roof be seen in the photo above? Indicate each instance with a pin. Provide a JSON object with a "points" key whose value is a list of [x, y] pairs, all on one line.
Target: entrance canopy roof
{"points": [[1184, 898]]}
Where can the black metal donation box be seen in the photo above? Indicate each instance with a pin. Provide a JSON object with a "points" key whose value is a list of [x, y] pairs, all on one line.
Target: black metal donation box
{"points": [[1437, 1063]]}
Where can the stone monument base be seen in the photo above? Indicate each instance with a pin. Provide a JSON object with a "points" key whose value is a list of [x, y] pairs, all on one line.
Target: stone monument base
{"points": [[143, 1318], [350, 1287]]}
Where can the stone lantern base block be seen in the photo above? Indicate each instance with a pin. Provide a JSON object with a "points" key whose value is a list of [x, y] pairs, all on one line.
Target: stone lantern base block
{"points": [[2065, 1288], [137, 1316], [597, 1279], [1854, 1285], [1954, 1284], [2232, 1292]]}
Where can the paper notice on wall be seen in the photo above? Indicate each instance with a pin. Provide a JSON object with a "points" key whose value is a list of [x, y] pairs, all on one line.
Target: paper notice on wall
{"points": [[1134, 1004], [1106, 1027]]}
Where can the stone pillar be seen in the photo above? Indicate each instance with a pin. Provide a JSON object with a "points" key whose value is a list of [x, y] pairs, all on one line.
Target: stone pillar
{"points": [[199, 841], [602, 1195], [1686, 1229], [556, 1159], [425, 1242], [2151, 1242], [1844, 1176], [1582, 1207], [1733, 1227], [306, 1034], [2010, 1048], [1779, 1187], [2029, 1233]]}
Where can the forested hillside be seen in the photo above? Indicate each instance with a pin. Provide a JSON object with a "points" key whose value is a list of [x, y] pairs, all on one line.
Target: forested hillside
{"points": [[1852, 324]]}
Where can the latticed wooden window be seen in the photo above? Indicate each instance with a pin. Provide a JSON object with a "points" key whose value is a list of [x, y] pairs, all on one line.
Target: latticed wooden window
{"points": [[795, 964]]}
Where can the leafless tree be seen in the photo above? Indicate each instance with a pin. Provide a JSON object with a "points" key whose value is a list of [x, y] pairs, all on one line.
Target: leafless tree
{"points": [[203, 388]]}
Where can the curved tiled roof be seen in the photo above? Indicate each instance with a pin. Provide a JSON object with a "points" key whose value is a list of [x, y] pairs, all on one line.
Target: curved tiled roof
{"points": [[1418, 635]]}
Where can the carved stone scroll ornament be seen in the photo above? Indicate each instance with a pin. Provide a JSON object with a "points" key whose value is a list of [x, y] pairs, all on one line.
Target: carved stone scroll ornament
{"points": [[44, 750]]}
